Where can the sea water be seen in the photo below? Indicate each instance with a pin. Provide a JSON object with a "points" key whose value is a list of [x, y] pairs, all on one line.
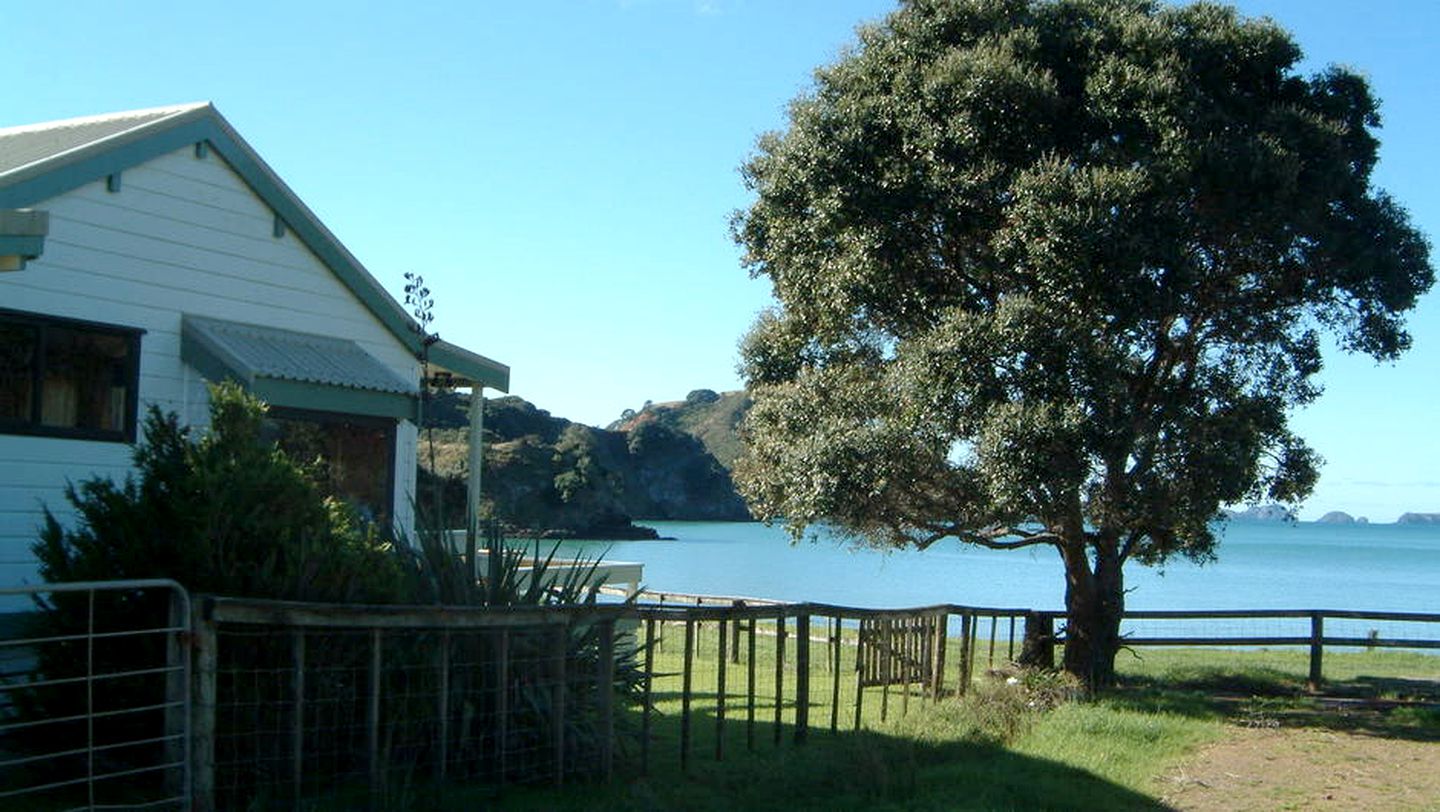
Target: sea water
{"points": [[1260, 565]]}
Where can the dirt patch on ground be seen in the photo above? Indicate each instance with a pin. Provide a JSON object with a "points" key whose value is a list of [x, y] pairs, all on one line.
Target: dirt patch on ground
{"points": [[1275, 767]]}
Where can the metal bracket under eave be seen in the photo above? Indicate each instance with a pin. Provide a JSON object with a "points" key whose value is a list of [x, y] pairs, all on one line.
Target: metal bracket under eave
{"points": [[22, 237]]}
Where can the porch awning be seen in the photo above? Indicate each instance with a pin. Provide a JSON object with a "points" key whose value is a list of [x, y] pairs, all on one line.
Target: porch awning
{"points": [[297, 370], [466, 368]]}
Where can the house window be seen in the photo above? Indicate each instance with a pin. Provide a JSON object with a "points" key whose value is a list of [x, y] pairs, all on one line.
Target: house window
{"points": [[352, 456], [66, 378]]}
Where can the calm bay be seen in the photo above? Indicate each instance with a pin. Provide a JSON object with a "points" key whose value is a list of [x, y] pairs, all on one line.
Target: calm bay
{"points": [[1261, 565]]}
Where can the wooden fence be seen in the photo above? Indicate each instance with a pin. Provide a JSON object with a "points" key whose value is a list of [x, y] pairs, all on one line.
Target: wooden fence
{"points": [[1292, 627], [307, 698]]}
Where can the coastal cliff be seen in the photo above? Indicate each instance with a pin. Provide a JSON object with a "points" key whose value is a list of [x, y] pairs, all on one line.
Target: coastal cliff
{"points": [[549, 477]]}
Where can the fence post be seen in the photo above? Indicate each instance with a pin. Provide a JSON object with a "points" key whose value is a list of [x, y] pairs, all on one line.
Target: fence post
{"points": [[861, 640], [937, 664], [834, 653], [648, 708], [372, 721], [887, 657], [1038, 650], [720, 659], [502, 706], [963, 677], [685, 682], [560, 646], [802, 677], [177, 709], [779, 674], [974, 646], [443, 709], [735, 635], [1317, 649], [606, 695], [750, 684], [202, 708], [297, 713]]}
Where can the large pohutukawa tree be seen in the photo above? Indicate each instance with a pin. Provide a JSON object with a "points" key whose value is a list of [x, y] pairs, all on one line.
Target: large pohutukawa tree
{"points": [[1053, 272]]}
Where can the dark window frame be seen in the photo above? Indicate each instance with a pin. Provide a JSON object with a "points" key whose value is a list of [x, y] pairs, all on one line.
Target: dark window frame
{"points": [[33, 426], [390, 426]]}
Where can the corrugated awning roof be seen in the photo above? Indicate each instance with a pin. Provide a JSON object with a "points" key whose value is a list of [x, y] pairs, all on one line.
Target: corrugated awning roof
{"points": [[299, 370]]}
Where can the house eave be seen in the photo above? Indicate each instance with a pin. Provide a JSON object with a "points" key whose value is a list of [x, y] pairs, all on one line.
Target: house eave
{"points": [[41, 180]]}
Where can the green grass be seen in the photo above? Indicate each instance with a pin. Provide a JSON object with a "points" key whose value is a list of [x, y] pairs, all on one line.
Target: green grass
{"points": [[1378, 673], [989, 750], [1002, 746]]}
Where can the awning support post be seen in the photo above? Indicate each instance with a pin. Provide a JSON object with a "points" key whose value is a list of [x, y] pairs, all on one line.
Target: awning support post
{"points": [[472, 480]]}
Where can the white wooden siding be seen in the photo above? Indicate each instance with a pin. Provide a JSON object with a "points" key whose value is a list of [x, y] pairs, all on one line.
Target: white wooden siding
{"points": [[183, 235]]}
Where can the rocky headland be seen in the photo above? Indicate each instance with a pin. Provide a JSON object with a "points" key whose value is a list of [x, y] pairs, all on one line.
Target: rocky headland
{"points": [[548, 477]]}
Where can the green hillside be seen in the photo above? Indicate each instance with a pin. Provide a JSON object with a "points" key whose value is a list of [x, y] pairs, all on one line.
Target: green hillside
{"points": [[545, 475], [712, 418]]}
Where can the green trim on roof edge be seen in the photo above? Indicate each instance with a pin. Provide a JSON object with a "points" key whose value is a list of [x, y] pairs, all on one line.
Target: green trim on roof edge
{"points": [[206, 124], [473, 367], [342, 399]]}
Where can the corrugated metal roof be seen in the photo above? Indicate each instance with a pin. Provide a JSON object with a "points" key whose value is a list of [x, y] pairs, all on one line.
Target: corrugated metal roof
{"points": [[41, 161], [250, 351], [34, 143]]}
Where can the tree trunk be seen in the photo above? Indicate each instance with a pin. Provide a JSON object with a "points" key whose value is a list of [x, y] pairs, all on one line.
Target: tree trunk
{"points": [[1094, 605], [1038, 649]]}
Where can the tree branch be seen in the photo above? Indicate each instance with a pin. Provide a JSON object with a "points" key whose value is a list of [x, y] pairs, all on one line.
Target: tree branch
{"points": [[1000, 537], [1129, 546]]}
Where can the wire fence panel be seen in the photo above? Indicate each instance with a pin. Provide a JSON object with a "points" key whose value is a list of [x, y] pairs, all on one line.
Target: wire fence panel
{"points": [[94, 697], [376, 706]]}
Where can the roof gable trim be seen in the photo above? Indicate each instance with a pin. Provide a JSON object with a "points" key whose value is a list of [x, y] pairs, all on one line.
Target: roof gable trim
{"points": [[203, 124]]}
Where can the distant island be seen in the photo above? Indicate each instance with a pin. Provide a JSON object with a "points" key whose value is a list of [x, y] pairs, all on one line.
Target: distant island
{"points": [[548, 477], [1279, 513], [1262, 513], [1341, 517], [1419, 518]]}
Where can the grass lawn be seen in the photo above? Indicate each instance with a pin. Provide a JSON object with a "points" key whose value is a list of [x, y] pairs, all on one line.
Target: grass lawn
{"points": [[1001, 746]]}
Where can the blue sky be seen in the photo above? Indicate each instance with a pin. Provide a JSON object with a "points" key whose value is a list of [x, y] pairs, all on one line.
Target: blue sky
{"points": [[563, 173]]}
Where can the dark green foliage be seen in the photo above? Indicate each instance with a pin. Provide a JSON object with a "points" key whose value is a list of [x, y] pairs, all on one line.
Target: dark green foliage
{"points": [[225, 514], [1053, 272], [711, 417], [702, 396], [549, 476]]}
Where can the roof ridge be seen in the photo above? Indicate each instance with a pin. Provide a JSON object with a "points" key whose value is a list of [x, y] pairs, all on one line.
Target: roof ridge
{"points": [[150, 113]]}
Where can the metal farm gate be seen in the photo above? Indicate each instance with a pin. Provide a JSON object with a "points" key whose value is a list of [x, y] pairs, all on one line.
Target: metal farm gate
{"points": [[95, 696]]}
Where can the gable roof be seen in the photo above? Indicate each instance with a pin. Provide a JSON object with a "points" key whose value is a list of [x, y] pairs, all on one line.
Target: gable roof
{"points": [[41, 161]]}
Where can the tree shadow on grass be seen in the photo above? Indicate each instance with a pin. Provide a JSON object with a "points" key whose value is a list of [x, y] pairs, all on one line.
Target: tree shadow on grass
{"points": [[833, 771], [1384, 707]]}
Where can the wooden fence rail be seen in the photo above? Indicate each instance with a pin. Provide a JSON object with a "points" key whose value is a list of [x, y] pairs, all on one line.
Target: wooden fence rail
{"points": [[715, 675]]}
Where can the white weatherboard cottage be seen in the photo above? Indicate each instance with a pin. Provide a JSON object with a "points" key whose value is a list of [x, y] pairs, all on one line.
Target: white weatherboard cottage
{"points": [[145, 253]]}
